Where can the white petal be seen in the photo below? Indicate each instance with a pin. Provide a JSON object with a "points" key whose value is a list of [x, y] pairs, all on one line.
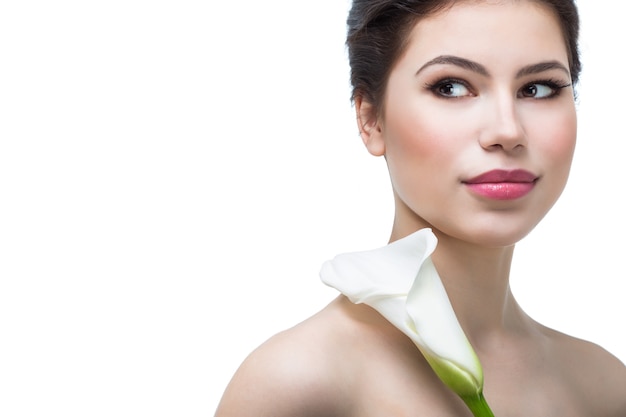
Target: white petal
{"points": [[386, 271], [434, 320]]}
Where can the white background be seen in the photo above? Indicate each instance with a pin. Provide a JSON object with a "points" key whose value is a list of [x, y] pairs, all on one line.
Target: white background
{"points": [[173, 174]]}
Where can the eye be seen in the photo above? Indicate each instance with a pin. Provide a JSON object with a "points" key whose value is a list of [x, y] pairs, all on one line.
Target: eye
{"points": [[542, 89], [537, 91], [450, 89]]}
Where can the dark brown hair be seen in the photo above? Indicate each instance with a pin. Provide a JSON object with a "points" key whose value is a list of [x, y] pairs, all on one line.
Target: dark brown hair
{"points": [[378, 32]]}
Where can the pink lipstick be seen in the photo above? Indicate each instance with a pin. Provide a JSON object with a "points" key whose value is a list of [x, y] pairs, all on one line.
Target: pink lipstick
{"points": [[502, 185]]}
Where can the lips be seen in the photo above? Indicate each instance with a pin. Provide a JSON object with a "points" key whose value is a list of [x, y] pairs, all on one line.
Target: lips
{"points": [[502, 184]]}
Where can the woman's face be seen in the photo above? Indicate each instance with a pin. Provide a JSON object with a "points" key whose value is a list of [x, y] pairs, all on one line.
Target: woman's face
{"points": [[479, 122]]}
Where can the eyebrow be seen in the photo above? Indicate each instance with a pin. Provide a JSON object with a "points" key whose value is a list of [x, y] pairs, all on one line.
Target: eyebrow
{"points": [[541, 67], [480, 69]]}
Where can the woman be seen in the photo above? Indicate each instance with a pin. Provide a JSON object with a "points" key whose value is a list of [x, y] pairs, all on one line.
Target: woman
{"points": [[472, 105]]}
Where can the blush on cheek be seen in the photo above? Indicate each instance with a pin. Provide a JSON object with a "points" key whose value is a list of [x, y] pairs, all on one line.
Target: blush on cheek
{"points": [[561, 140], [553, 132], [416, 137]]}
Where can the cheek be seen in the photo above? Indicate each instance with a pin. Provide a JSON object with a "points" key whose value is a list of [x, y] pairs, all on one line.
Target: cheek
{"points": [[422, 159], [415, 151], [422, 134], [559, 140]]}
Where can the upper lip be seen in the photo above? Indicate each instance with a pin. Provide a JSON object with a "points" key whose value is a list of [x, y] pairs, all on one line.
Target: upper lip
{"points": [[501, 175]]}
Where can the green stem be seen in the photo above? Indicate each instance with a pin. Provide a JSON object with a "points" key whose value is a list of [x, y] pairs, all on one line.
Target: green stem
{"points": [[478, 406]]}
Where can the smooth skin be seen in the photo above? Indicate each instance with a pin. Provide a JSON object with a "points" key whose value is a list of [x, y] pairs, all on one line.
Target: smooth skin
{"points": [[482, 86]]}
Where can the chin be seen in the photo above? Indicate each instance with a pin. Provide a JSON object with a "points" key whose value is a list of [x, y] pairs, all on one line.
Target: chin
{"points": [[492, 234], [500, 240]]}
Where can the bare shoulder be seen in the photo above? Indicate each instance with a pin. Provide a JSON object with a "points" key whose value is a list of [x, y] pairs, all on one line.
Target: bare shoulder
{"points": [[298, 372], [599, 375], [345, 361]]}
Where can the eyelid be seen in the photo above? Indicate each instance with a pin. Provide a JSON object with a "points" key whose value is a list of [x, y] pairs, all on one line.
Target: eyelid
{"points": [[444, 80], [550, 82]]}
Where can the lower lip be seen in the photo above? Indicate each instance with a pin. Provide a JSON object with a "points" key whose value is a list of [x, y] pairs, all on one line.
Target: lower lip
{"points": [[502, 190]]}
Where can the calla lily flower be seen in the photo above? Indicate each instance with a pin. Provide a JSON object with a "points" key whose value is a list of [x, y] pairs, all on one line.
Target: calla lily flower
{"points": [[400, 282]]}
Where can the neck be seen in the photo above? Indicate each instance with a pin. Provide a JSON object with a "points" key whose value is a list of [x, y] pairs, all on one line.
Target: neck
{"points": [[477, 282], [476, 279]]}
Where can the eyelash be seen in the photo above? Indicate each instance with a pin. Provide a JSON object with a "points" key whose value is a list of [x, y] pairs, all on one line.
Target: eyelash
{"points": [[555, 85]]}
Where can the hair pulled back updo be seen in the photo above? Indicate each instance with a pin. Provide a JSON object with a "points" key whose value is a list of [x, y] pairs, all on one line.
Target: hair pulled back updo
{"points": [[378, 32]]}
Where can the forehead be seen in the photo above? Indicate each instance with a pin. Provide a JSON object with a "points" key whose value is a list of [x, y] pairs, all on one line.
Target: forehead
{"points": [[491, 30]]}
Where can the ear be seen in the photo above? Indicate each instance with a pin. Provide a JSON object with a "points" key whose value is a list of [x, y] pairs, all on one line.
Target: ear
{"points": [[370, 127]]}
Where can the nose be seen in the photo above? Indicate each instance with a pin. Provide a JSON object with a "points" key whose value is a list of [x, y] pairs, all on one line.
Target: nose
{"points": [[503, 128]]}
